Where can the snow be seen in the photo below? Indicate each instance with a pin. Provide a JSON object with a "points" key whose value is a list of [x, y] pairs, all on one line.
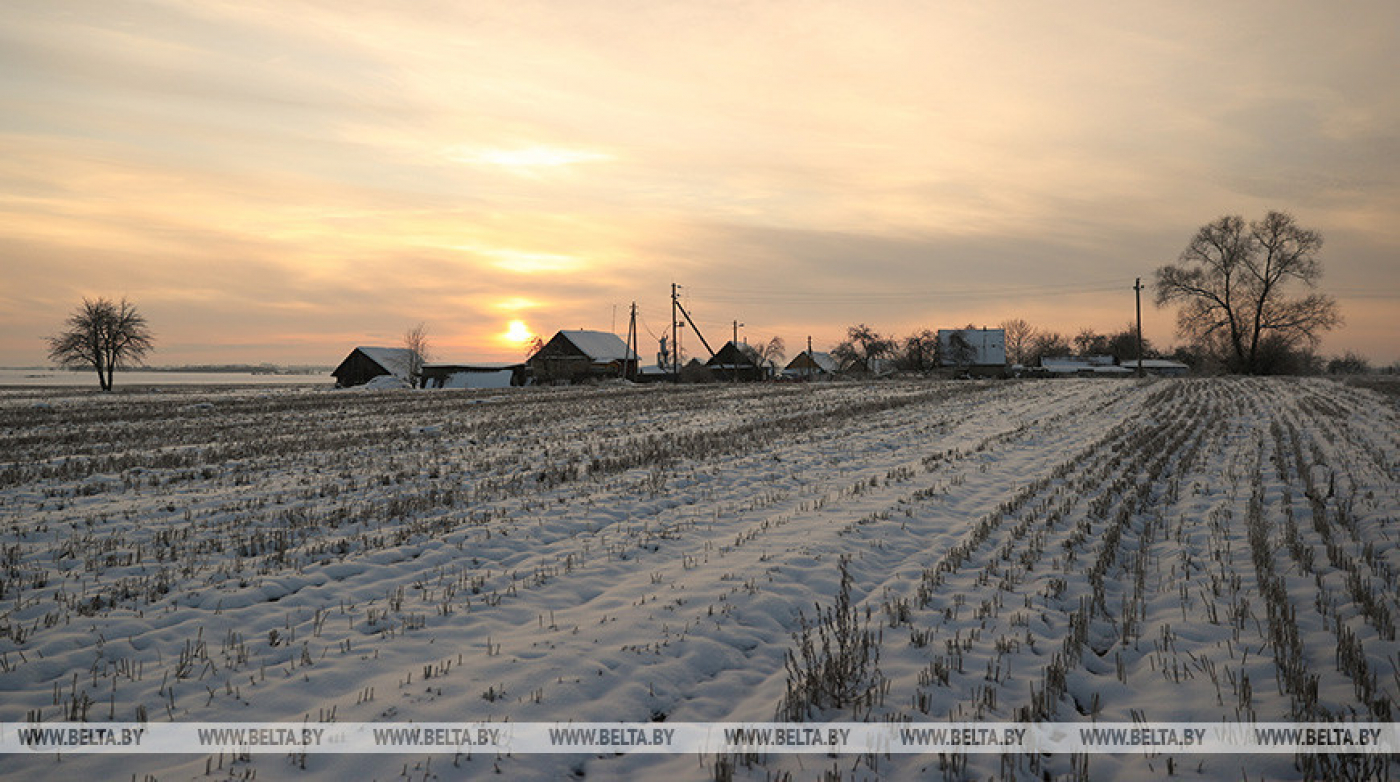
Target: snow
{"points": [[497, 379], [383, 382], [648, 552], [600, 346], [395, 360]]}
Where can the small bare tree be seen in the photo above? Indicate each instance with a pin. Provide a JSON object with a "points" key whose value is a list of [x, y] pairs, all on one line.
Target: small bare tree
{"points": [[919, 350], [772, 351], [416, 341], [961, 353], [1046, 344], [104, 336]]}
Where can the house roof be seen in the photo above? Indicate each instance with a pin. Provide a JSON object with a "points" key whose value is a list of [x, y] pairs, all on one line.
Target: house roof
{"points": [[1157, 363], [824, 361], [1102, 365], [600, 345], [395, 361], [475, 366], [735, 355]]}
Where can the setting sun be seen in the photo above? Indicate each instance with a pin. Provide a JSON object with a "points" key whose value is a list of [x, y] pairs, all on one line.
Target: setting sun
{"points": [[517, 333]]}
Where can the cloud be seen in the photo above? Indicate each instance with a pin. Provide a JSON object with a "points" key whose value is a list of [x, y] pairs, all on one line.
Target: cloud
{"points": [[351, 167]]}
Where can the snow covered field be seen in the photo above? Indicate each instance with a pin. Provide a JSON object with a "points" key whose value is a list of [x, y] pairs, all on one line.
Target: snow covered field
{"points": [[1187, 550]]}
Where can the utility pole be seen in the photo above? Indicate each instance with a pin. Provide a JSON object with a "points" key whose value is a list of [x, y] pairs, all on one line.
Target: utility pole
{"points": [[1137, 290], [737, 352], [675, 335], [634, 359]]}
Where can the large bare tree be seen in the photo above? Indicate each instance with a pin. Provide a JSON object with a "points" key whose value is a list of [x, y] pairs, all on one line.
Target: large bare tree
{"points": [[1232, 280], [103, 335]]}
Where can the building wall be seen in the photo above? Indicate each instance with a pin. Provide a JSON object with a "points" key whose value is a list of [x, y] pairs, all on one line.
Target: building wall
{"points": [[356, 370]]}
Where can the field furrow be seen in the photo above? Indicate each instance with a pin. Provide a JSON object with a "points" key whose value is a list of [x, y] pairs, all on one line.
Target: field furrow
{"points": [[1076, 550]]}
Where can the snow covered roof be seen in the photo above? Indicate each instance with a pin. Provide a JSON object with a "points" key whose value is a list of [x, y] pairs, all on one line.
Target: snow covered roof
{"points": [[395, 360], [475, 366], [600, 345], [498, 379], [1102, 365], [823, 361], [826, 361]]}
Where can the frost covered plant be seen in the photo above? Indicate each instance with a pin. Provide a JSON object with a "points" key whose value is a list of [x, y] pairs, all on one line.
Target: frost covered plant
{"points": [[835, 664]]}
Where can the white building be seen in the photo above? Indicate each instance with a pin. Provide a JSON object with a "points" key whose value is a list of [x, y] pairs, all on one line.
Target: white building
{"points": [[972, 347]]}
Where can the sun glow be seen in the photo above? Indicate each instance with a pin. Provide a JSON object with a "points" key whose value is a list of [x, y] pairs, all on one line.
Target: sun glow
{"points": [[517, 333]]}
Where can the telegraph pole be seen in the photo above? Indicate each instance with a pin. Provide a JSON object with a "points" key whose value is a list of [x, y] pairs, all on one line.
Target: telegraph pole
{"points": [[1137, 290], [632, 361], [675, 335]]}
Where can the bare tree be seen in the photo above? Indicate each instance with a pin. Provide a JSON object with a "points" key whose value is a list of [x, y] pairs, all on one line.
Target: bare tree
{"points": [[1046, 344], [1349, 364], [419, 347], [1090, 343], [1231, 280], [960, 352], [772, 351], [104, 336], [533, 346], [1123, 345], [862, 347], [1018, 334], [919, 350]]}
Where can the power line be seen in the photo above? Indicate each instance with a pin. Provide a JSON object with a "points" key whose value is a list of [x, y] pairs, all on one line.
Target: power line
{"points": [[1362, 293], [792, 296]]}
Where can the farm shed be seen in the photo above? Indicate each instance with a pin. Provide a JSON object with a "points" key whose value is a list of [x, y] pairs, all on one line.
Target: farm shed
{"points": [[486, 375], [1161, 367], [1084, 366], [573, 356], [980, 351], [366, 363], [738, 361], [811, 365]]}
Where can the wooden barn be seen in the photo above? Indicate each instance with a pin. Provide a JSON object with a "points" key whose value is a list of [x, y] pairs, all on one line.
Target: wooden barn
{"points": [[578, 356], [366, 363], [738, 361]]}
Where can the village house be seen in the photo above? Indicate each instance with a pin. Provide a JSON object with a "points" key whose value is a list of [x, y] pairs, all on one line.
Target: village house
{"points": [[975, 351], [577, 356], [811, 365], [738, 361]]}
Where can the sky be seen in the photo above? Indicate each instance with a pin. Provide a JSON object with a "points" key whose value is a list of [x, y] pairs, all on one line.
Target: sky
{"points": [[281, 181]]}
